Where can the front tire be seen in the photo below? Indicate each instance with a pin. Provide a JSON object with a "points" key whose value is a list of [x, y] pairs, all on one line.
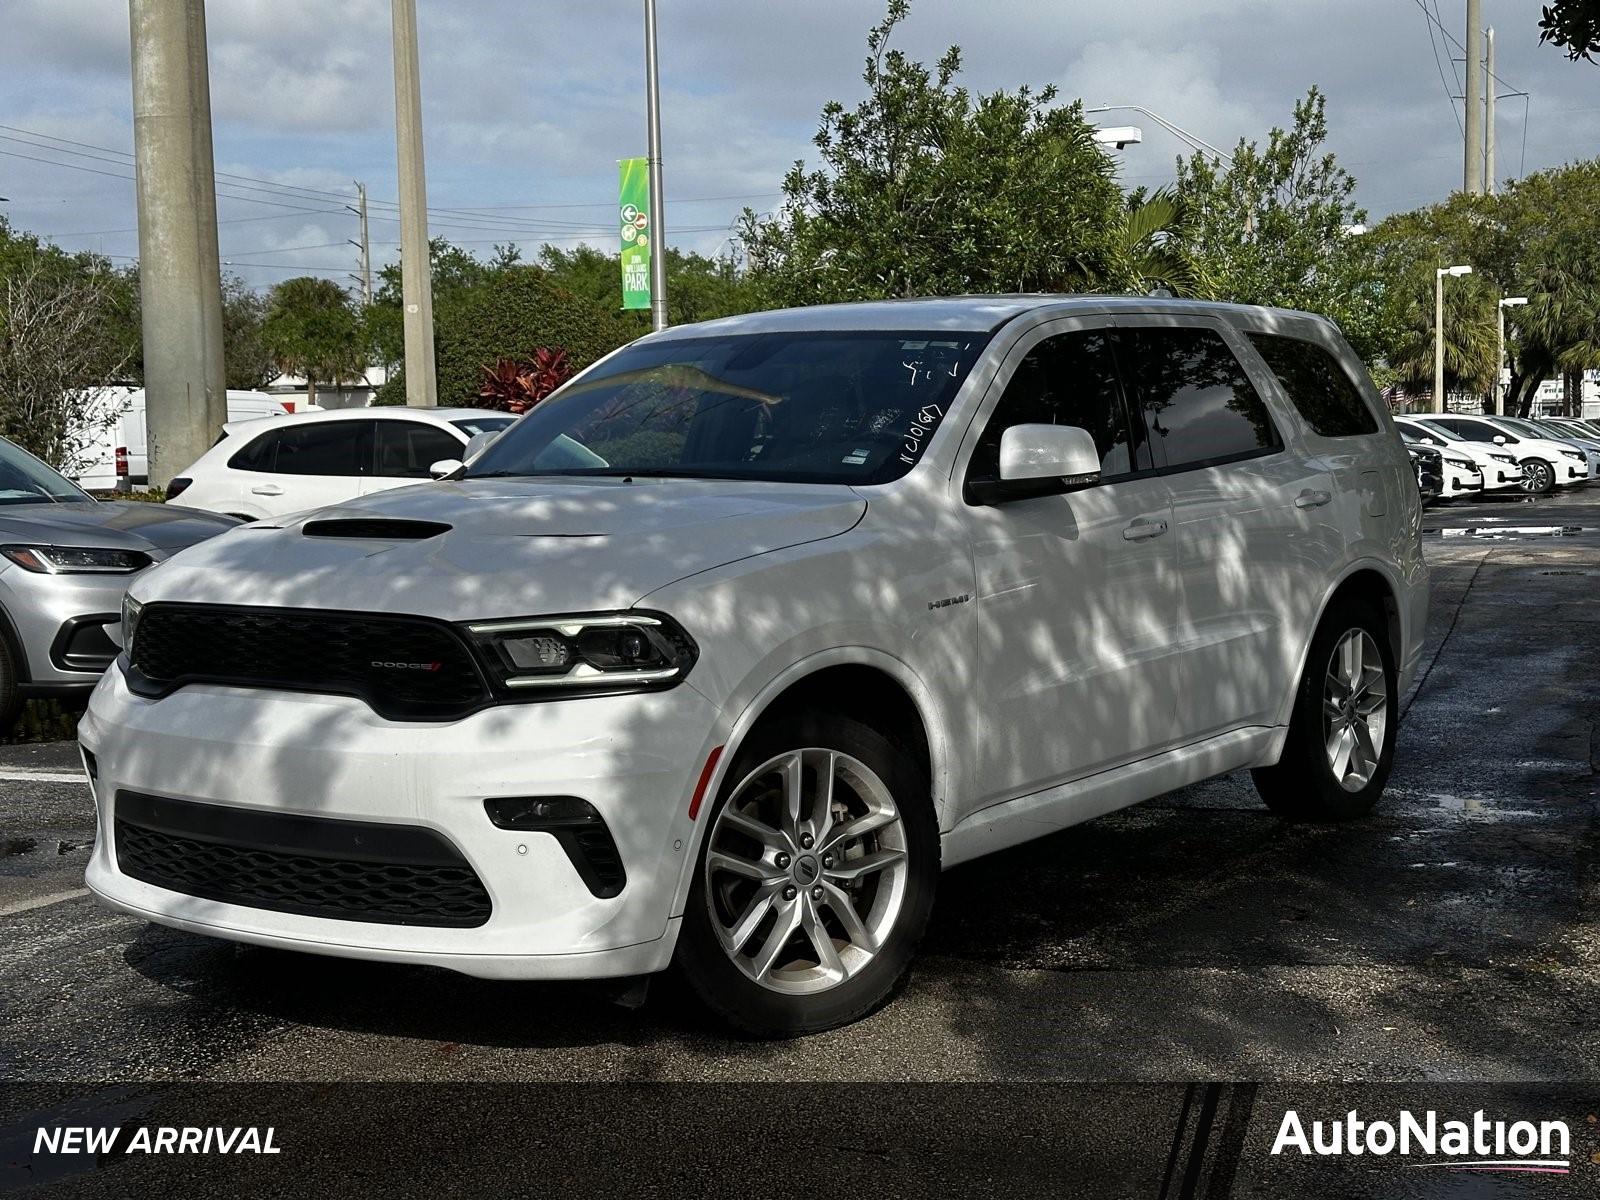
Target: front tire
{"points": [[10, 688], [815, 878], [1340, 746], [1538, 477]]}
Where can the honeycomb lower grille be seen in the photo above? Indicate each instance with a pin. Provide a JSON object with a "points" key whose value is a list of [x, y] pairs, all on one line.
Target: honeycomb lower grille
{"points": [[312, 866], [407, 668]]}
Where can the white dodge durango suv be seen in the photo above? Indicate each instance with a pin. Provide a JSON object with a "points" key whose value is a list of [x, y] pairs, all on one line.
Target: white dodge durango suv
{"points": [[821, 602]]}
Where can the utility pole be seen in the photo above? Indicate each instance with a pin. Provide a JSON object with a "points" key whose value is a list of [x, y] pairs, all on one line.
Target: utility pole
{"points": [[1472, 175], [658, 216], [416, 272], [1491, 86], [364, 245], [180, 275]]}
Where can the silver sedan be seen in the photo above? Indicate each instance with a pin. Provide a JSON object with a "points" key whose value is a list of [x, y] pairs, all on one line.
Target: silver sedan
{"points": [[65, 560]]}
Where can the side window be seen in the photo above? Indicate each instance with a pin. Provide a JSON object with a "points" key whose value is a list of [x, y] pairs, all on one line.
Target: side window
{"points": [[258, 455], [326, 448], [406, 449], [1317, 385], [1069, 379], [1197, 402]]}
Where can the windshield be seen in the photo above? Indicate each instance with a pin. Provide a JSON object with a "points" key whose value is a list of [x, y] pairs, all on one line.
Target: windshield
{"points": [[802, 406], [473, 426], [26, 480], [1440, 432]]}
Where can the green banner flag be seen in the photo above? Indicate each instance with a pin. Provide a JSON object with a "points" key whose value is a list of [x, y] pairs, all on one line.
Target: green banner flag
{"points": [[634, 199]]}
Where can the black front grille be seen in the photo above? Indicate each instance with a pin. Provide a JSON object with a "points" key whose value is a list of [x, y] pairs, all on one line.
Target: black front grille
{"points": [[408, 668], [287, 862]]}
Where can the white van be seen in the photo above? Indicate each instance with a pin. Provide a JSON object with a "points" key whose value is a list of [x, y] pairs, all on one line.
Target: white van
{"points": [[121, 453]]}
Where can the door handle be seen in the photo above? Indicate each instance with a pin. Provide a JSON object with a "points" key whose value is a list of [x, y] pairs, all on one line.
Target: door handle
{"points": [[1144, 528], [266, 489], [1312, 499]]}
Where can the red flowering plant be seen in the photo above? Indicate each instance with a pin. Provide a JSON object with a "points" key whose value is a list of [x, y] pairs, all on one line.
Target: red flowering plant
{"points": [[515, 385]]}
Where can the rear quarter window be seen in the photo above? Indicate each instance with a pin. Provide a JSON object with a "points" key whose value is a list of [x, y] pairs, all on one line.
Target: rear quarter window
{"points": [[1317, 384]]}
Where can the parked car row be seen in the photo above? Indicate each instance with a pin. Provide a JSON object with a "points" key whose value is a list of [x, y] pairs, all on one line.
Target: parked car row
{"points": [[1486, 454]]}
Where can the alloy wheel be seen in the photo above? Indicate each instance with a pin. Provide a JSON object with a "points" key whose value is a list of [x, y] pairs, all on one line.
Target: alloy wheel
{"points": [[1536, 477], [1355, 709], [806, 870]]}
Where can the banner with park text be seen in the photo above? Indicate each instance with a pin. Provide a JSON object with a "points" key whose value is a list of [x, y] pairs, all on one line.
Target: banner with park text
{"points": [[634, 203]]}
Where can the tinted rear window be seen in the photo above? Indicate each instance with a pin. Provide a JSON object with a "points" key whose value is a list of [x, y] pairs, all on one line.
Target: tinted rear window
{"points": [[1198, 404], [1317, 385]]}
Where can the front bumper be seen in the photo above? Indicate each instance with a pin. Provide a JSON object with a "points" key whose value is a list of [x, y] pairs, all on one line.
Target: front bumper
{"points": [[635, 758], [46, 611], [1498, 475], [1569, 472]]}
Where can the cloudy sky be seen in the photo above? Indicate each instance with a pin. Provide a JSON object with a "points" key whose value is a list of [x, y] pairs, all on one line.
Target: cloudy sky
{"points": [[528, 103]]}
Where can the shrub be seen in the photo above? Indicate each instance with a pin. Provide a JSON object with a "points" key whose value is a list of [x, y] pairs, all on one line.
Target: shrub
{"points": [[516, 312]]}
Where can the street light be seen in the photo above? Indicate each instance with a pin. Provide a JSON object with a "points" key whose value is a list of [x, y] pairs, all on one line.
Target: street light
{"points": [[1118, 136], [1438, 332], [1500, 349], [1177, 131]]}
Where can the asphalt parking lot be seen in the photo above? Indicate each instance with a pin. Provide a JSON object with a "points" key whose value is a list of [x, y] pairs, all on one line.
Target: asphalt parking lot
{"points": [[1453, 936]]}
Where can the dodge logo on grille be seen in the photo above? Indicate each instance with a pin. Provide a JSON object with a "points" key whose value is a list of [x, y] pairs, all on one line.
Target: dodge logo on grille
{"points": [[405, 666]]}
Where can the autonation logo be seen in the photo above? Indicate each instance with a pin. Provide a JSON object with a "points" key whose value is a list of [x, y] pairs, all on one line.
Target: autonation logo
{"points": [[1476, 1145]]}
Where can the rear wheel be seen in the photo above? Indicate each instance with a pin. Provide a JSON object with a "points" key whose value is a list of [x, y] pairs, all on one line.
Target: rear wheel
{"points": [[1340, 745], [1538, 477], [815, 878]]}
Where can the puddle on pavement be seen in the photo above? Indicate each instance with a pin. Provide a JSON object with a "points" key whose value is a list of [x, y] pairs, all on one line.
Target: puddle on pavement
{"points": [[1496, 532]]}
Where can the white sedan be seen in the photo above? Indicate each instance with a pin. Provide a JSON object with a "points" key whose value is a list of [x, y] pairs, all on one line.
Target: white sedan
{"points": [[1497, 469], [278, 465]]}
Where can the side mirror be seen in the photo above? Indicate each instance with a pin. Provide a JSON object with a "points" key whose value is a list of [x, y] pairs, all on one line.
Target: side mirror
{"points": [[444, 467], [477, 444], [1499, 440], [1040, 460]]}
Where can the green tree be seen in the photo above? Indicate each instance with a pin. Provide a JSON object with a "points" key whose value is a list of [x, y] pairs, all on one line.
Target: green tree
{"points": [[512, 313], [926, 189], [248, 360], [1275, 225], [698, 287], [312, 329], [1147, 251], [1574, 25], [68, 328]]}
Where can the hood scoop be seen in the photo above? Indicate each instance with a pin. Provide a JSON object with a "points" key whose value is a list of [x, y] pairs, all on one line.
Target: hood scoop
{"points": [[377, 529]]}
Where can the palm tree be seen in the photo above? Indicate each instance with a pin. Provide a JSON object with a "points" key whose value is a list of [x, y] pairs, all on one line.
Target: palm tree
{"points": [[1469, 339], [1148, 252]]}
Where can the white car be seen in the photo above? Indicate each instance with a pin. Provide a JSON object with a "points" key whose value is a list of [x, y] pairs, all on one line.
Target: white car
{"points": [[1497, 470], [854, 593], [276, 465], [1546, 465]]}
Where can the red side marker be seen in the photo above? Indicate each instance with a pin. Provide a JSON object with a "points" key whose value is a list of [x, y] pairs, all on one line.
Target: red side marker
{"points": [[705, 778]]}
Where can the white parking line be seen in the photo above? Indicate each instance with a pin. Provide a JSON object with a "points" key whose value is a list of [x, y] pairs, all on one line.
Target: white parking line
{"points": [[22, 906], [29, 775]]}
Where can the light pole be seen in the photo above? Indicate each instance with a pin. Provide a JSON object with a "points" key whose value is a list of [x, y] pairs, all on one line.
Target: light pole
{"points": [[1500, 349], [1438, 332], [658, 217]]}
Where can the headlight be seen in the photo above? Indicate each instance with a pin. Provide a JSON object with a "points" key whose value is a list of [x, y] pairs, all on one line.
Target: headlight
{"points": [[131, 609], [1504, 458], [1460, 462], [597, 652], [76, 560], [1577, 454]]}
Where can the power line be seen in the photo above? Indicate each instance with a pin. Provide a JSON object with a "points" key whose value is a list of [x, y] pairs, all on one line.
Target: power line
{"points": [[300, 191], [1433, 43]]}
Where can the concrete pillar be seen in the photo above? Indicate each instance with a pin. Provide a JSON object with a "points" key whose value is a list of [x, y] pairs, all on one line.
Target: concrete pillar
{"points": [[416, 272], [180, 276]]}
